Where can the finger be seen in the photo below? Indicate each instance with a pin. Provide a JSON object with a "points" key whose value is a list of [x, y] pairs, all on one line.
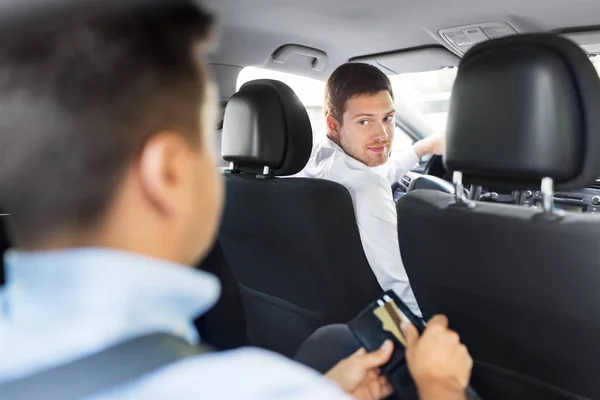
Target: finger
{"points": [[386, 389], [378, 357], [468, 357], [359, 352], [411, 333], [452, 338], [380, 388], [372, 389], [372, 375], [364, 393], [438, 320], [375, 389]]}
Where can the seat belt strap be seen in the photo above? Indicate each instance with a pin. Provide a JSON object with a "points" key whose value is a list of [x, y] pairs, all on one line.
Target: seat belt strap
{"points": [[110, 368]]}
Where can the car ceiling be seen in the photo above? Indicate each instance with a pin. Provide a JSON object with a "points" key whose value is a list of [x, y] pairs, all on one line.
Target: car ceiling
{"points": [[251, 30]]}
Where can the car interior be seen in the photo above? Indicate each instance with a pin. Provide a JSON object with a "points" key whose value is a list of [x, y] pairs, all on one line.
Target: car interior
{"points": [[499, 233]]}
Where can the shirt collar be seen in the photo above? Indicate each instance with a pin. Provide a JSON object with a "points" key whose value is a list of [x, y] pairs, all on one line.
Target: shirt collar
{"points": [[107, 285], [330, 143]]}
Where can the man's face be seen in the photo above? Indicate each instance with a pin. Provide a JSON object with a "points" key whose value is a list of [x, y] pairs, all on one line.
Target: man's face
{"points": [[366, 131]]}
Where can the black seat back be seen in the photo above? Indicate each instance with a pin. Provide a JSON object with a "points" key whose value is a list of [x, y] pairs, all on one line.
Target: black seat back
{"points": [[292, 243], [224, 326], [519, 285]]}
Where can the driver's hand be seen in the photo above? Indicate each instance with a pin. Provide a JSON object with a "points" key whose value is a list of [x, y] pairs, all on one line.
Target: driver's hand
{"points": [[434, 144], [438, 145], [438, 362], [358, 375]]}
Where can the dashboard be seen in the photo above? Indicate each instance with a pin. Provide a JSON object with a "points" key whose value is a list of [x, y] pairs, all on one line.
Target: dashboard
{"points": [[586, 200]]}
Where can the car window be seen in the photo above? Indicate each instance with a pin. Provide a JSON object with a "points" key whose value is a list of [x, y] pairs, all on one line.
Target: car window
{"points": [[426, 94], [311, 93]]}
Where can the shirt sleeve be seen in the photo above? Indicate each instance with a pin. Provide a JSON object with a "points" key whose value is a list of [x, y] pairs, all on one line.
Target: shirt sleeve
{"points": [[377, 224], [400, 164]]}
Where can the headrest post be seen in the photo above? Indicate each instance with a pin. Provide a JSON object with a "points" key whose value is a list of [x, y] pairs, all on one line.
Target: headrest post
{"points": [[459, 190], [547, 191], [232, 169], [266, 173]]}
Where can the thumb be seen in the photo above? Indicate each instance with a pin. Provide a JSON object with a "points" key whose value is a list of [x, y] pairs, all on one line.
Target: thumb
{"points": [[380, 356], [411, 333]]}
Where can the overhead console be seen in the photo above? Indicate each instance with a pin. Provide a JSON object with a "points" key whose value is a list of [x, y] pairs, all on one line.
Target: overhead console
{"points": [[461, 38]]}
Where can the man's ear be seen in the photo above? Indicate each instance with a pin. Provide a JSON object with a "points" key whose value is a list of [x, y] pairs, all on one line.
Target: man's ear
{"points": [[159, 171], [333, 127]]}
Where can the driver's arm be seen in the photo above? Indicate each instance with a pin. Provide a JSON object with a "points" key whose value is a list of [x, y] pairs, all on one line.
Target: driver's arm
{"points": [[400, 164], [434, 144]]}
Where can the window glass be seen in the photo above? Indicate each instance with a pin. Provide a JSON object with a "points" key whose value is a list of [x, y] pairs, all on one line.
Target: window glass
{"points": [[427, 94], [310, 91]]}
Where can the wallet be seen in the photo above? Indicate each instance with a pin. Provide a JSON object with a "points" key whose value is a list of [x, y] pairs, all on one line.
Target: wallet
{"points": [[381, 321]]}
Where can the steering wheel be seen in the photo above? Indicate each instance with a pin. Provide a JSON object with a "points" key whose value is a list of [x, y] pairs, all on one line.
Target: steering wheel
{"points": [[435, 167], [436, 177]]}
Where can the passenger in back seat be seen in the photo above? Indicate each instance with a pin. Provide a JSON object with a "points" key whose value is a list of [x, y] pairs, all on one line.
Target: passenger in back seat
{"points": [[107, 171], [360, 113]]}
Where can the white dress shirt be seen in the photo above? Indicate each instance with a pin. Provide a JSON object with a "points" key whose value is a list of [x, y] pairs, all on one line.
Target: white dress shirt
{"points": [[58, 306], [374, 207]]}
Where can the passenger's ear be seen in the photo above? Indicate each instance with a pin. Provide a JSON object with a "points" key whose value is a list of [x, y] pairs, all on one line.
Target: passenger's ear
{"points": [[333, 127], [160, 170]]}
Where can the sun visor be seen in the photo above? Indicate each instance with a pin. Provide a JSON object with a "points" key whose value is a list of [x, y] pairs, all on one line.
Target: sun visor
{"points": [[412, 60]]}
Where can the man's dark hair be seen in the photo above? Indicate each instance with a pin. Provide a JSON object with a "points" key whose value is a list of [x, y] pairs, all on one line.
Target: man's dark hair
{"points": [[351, 80], [79, 98]]}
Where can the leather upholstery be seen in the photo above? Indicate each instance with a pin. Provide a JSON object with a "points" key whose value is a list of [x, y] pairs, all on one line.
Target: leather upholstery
{"points": [[266, 125], [519, 286], [292, 243], [524, 108]]}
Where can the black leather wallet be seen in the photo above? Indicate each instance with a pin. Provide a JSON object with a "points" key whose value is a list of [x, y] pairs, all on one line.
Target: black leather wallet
{"points": [[369, 329], [381, 321]]}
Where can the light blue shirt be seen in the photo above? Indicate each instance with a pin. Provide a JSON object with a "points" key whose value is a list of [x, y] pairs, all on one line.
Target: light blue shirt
{"points": [[58, 306]]}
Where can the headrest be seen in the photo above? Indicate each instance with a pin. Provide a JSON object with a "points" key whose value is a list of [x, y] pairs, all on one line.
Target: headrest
{"points": [[266, 125], [524, 108]]}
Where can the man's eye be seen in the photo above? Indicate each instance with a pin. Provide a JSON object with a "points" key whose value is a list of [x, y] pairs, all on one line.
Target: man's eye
{"points": [[389, 118], [363, 122]]}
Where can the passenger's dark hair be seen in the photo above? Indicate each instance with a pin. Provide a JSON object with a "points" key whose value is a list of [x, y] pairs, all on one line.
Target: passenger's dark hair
{"points": [[350, 80], [79, 98]]}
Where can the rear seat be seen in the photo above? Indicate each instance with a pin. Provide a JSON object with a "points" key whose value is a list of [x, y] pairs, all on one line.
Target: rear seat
{"points": [[224, 325]]}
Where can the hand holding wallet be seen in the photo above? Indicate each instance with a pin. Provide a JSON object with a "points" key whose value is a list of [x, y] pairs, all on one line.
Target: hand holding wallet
{"points": [[382, 320]]}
